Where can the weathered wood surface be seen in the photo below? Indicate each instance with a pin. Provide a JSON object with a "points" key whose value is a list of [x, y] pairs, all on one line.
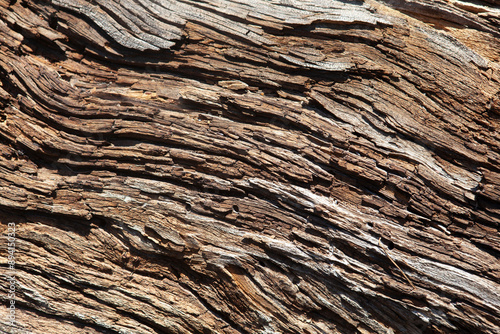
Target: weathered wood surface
{"points": [[230, 166]]}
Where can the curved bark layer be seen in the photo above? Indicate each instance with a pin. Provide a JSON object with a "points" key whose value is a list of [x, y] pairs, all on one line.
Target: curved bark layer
{"points": [[274, 167]]}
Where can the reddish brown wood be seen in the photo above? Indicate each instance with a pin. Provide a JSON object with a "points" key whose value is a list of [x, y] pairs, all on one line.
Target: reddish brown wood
{"points": [[230, 167]]}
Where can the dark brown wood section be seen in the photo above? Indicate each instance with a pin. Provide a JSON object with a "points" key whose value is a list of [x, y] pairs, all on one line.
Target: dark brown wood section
{"points": [[260, 166]]}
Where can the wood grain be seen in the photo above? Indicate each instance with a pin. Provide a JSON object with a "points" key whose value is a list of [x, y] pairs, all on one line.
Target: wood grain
{"points": [[229, 167]]}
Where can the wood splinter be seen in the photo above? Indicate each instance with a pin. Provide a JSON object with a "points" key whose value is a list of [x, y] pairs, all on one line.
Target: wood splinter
{"points": [[390, 258]]}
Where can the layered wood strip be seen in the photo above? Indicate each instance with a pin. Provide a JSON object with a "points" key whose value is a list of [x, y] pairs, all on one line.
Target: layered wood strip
{"points": [[225, 167]]}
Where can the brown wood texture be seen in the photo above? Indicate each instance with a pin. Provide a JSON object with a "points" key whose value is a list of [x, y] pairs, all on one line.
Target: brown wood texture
{"points": [[257, 166]]}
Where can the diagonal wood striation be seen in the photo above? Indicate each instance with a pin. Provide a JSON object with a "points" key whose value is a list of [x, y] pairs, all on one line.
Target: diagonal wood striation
{"points": [[229, 167]]}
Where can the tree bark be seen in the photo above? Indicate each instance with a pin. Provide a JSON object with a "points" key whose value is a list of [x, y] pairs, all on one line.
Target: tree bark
{"points": [[226, 166]]}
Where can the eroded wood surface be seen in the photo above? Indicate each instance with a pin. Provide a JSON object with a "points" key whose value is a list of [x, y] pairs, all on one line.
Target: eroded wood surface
{"points": [[229, 167]]}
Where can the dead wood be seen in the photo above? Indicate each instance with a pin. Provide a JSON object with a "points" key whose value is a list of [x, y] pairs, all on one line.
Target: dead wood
{"points": [[230, 166]]}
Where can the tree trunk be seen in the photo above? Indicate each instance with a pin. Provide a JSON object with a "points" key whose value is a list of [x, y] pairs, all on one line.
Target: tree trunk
{"points": [[221, 166]]}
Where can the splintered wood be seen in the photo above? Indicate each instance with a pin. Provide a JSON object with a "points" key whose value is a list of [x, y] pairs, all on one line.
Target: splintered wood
{"points": [[231, 167]]}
